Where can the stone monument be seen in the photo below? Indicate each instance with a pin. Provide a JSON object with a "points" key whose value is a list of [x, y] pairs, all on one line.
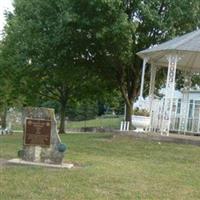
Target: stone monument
{"points": [[41, 142]]}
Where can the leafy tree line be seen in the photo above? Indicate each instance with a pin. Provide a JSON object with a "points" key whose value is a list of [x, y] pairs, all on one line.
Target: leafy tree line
{"points": [[70, 50]]}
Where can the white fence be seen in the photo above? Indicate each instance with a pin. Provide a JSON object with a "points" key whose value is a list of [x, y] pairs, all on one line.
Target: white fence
{"points": [[185, 116]]}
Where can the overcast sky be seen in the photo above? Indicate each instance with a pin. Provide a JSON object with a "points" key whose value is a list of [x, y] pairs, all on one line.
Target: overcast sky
{"points": [[4, 5]]}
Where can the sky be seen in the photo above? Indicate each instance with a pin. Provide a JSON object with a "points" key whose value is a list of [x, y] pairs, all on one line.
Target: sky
{"points": [[4, 5]]}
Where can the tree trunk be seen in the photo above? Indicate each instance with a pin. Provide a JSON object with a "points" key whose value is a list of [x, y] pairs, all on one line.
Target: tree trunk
{"points": [[3, 118], [62, 118], [129, 112]]}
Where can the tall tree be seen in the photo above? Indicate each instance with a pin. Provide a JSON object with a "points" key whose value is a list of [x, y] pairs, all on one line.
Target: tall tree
{"points": [[7, 91], [56, 40], [41, 38], [112, 41], [41, 46], [157, 21], [105, 36]]}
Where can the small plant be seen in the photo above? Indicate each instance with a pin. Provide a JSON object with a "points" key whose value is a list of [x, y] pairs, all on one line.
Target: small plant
{"points": [[141, 112], [20, 153]]}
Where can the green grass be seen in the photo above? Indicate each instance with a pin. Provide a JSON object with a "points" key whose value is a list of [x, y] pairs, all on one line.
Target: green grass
{"points": [[98, 122], [110, 167]]}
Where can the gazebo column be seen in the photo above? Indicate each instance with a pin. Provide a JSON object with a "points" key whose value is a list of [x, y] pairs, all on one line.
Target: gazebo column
{"points": [[152, 80], [185, 101], [151, 92], [169, 95], [142, 78]]}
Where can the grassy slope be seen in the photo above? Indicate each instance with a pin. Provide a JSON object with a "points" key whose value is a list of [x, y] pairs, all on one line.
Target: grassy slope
{"points": [[98, 122], [111, 168]]}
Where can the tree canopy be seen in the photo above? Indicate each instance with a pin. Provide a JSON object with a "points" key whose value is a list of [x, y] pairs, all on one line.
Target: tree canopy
{"points": [[66, 49], [139, 25], [49, 55]]}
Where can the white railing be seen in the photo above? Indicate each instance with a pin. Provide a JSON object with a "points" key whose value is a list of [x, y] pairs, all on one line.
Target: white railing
{"points": [[185, 116], [124, 126]]}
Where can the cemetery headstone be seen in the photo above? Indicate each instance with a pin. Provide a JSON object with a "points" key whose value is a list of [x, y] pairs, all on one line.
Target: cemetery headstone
{"points": [[41, 142]]}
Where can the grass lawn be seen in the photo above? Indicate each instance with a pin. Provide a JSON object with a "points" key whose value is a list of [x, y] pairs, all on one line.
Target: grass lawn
{"points": [[111, 168], [98, 122]]}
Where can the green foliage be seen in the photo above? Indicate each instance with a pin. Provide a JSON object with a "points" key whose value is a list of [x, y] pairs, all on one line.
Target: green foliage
{"points": [[196, 80], [140, 112], [51, 104], [78, 111], [51, 44], [20, 153], [67, 50], [110, 33]]}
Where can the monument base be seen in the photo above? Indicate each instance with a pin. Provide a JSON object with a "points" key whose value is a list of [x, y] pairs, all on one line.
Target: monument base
{"points": [[18, 161]]}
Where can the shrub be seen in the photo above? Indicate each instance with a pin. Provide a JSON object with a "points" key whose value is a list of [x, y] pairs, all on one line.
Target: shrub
{"points": [[20, 153], [141, 112]]}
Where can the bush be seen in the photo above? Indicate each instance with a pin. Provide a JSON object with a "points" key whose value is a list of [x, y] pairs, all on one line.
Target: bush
{"points": [[20, 153], [141, 112]]}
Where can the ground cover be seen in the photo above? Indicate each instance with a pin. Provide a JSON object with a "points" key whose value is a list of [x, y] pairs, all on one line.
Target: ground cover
{"points": [[98, 122], [108, 167], [111, 122]]}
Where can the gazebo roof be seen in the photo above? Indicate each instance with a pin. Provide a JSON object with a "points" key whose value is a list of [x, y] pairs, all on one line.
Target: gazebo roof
{"points": [[186, 46]]}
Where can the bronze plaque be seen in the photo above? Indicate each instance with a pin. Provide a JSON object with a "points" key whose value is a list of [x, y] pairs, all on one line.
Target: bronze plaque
{"points": [[37, 132]]}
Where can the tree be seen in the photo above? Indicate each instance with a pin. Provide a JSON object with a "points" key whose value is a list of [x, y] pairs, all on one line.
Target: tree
{"points": [[105, 34], [61, 41], [157, 21], [36, 36], [40, 36], [112, 41], [7, 91]]}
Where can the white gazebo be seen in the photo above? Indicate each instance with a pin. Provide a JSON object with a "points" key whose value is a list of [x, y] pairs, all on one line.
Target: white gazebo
{"points": [[181, 53]]}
